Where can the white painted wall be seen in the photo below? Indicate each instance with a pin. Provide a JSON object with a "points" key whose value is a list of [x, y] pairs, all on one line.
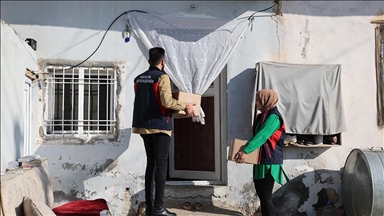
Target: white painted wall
{"points": [[16, 56], [308, 32], [337, 33]]}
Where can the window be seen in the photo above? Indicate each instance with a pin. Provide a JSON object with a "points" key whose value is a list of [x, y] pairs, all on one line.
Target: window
{"points": [[81, 100]]}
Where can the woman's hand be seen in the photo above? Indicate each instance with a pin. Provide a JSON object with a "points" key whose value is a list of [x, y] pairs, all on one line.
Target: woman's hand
{"points": [[240, 156]]}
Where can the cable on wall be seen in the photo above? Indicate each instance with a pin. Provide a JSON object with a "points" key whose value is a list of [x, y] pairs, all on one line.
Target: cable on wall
{"points": [[252, 17], [126, 12], [102, 39]]}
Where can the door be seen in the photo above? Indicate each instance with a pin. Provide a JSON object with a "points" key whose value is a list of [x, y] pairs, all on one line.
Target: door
{"points": [[195, 151]]}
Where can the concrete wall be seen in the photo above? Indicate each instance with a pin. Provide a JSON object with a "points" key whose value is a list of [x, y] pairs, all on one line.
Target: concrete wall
{"points": [[16, 57], [309, 32], [337, 33]]}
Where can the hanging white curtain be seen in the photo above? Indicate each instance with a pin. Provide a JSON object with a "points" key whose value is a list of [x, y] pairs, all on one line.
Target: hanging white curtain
{"points": [[197, 48]]}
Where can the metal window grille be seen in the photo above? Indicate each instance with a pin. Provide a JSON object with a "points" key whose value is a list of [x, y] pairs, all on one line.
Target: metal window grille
{"points": [[81, 100]]}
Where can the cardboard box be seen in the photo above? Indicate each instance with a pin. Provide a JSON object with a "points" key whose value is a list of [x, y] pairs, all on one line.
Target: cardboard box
{"points": [[236, 144], [187, 97]]}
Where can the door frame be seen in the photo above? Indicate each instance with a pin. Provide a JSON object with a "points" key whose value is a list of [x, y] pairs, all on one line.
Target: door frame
{"points": [[27, 145], [219, 176]]}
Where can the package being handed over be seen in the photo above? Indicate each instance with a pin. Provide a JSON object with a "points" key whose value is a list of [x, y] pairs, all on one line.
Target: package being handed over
{"points": [[236, 144], [187, 97]]}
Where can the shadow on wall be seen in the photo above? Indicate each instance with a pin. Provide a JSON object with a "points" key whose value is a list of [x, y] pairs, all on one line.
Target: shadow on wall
{"points": [[84, 17], [336, 9], [239, 99], [19, 140], [295, 193]]}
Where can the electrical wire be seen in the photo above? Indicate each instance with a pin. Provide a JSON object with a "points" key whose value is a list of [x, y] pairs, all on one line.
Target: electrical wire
{"points": [[251, 17], [102, 39], [125, 13]]}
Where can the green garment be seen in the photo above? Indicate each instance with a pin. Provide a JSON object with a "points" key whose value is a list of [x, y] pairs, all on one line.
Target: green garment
{"points": [[262, 133], [277, 172]]}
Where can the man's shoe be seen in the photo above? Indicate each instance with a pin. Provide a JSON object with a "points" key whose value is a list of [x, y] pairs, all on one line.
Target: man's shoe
{"points": [[162, 212]]}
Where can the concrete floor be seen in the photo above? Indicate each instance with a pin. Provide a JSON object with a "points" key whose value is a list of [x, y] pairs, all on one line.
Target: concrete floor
{"points": [[206, 211], [208, 208]]}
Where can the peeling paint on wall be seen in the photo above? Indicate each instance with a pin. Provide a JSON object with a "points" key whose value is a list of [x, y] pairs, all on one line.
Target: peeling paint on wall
{"points": [[254, 201], [61, 196]]}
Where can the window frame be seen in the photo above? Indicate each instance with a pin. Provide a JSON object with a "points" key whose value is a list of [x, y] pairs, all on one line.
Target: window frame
{"points": [[27, 143], [83, 74]]}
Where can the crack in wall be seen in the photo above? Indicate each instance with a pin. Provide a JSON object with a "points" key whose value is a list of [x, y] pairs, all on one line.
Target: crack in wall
{"points": [[277, 21], [306, 39]]}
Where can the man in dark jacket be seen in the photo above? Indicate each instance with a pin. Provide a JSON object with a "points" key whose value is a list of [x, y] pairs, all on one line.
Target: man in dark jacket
{"points": [[152, 119]]}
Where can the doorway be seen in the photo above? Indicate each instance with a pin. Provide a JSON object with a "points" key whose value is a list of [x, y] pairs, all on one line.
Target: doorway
{"points": [[197, 151]]}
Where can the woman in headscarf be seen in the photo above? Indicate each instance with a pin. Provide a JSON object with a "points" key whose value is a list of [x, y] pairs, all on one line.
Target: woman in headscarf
{"points": [[268, 135]]}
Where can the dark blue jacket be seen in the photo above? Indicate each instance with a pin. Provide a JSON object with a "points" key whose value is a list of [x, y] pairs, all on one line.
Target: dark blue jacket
{"points": [[148, 112], [271, 152]]}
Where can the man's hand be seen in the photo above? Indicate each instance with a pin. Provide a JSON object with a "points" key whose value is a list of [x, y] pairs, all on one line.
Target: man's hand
{"points": [[189, 109], [240, 156]]}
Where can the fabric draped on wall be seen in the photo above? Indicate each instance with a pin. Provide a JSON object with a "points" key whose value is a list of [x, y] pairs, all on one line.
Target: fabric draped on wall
{"points": [[197, 47], [310, 96]]}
